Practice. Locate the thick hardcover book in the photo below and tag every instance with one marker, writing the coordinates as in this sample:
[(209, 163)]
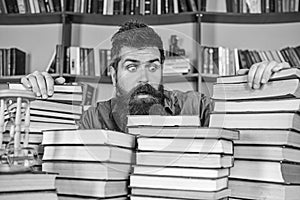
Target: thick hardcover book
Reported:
[(271, 153), (185, 145), (239, 91), (57, 88), (256, 120), (290, 73), (18, 62), (40, 126), (89, 137), (271, 105), (263, 190), (91, 188), (26, 182), (12, 6), (43, 105), (32, 195), (88, 153), (178, 183), (269, 171), (184, 132), (180, 171), (269, 137), (77, 197), (182, 194), (160, 120), (184, 160), (88, 170)]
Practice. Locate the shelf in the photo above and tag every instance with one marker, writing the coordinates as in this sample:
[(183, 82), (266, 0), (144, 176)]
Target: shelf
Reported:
[(115, 20), (189, 17), (28, 19), (103, 79), (209, 77), (246, 18)]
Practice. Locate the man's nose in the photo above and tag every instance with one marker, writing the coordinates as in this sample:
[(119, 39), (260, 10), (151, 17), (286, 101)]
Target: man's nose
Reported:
[(144, 75)]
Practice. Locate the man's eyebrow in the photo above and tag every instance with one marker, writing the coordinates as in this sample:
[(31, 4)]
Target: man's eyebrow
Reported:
[(136, 61)]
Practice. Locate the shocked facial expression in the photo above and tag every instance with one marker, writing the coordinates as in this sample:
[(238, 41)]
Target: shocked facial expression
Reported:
[(137, 67)]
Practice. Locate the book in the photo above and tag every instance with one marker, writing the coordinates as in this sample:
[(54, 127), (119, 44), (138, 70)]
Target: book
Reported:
[(180, 172), (269, 137), (256, 120), (236, 91), (269, 171), (273, 153), (182, 194), (184, 132), (50, 114), (178, 183), (184, 160), (263, 190), (88, 153), (57, 88), (76, 197), (32, 195), (34, 138), (290, 73), (88, 137), (88, 170), (35, 118), (57, 107), (159, 120), (185, 145), (91, 188), (26, 182), (270, 105), (41, 126)]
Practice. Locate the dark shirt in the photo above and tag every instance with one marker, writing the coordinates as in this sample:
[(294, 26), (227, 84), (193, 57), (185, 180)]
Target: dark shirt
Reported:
[(111, 114)]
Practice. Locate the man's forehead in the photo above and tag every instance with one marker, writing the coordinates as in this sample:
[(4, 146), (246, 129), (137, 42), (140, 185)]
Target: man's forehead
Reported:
[(139, 53)]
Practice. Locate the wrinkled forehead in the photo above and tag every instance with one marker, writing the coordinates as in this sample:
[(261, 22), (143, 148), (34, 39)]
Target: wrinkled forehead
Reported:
[(143, 54)]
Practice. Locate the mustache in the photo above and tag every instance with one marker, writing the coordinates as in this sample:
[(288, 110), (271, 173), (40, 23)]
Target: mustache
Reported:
[(146, 89)]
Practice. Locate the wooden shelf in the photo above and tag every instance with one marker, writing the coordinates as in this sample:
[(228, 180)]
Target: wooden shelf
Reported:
[(115, 20), (28, 19), (209, 77), (245, 18), (106, 79)]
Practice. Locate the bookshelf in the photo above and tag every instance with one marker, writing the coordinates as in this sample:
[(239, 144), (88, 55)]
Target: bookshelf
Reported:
[(73, 27)]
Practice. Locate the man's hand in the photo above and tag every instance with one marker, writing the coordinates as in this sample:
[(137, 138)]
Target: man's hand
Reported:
[(260, 73), (41, 83)]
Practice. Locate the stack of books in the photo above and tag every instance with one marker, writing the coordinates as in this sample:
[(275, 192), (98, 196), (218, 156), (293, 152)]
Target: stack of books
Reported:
[(27, 186), (177, 159), (59, 111), (91, 163), (267, 156)]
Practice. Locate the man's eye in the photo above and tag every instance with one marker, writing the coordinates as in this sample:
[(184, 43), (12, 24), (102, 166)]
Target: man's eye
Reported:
[(131, 68), (153, 68)]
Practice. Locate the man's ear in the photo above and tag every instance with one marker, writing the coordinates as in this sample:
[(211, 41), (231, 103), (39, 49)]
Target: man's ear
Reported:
[(113, 74)]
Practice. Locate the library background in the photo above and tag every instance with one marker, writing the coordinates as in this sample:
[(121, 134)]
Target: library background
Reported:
[(249, 151)]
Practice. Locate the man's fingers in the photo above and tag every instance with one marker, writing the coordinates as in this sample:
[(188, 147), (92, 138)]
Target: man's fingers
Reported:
[(242, 71), (280, 66), (260, 70), (251, 74), (41, 84), (34, 84), (26, 82), (60, 80), (268, 72), (49, 83)]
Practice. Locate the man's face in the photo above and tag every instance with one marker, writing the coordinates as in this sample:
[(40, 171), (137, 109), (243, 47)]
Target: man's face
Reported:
[(139, 78), (136, 67)]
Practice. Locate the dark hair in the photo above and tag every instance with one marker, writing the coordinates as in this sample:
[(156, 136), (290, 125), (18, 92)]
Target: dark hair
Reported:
[(134, 34)]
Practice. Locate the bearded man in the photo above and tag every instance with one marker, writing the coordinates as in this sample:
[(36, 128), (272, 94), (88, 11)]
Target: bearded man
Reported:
[(137, 75)]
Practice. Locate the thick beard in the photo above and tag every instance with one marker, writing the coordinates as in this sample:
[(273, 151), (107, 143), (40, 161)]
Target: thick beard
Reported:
[(153, 105)]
